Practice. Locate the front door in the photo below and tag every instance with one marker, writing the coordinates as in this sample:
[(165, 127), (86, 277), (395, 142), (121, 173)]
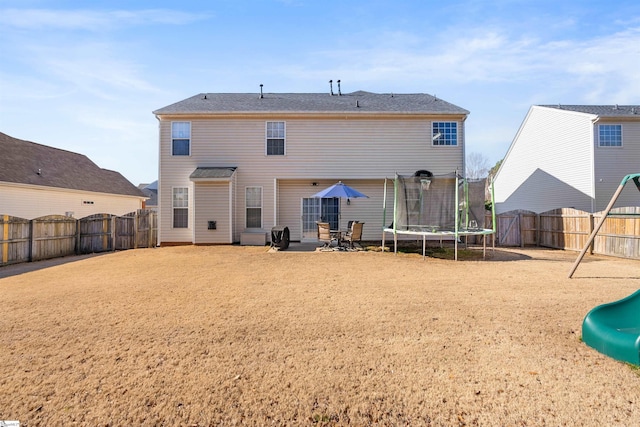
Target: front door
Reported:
[(314, 210)]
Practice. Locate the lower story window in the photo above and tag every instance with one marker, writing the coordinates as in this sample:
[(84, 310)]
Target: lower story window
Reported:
[(180, 207), (253, 203)]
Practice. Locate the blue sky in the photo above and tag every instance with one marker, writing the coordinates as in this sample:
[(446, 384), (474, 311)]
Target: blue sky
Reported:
[(86, 75)]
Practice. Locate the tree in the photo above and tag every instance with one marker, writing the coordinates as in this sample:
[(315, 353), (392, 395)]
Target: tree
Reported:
[(477, 166), (494, 170)]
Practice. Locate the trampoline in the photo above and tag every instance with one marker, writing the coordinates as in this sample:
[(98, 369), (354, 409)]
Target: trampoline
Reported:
[(443, 207)]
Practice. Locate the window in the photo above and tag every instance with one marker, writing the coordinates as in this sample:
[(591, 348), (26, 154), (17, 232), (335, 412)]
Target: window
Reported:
[(445, 133), (253, 202), (180, 138), (610, 135), (180, 207), (275, 138)]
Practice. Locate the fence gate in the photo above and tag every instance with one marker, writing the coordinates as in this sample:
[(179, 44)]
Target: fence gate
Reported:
[(508, 232)]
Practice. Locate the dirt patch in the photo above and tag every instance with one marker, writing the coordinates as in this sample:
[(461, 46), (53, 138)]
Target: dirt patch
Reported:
[(200, 336)]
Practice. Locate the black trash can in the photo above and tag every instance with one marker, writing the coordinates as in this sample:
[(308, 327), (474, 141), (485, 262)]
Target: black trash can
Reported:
[(280, 237)]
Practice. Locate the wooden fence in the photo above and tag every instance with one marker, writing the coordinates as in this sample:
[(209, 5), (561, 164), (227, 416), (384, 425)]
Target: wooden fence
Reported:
[(569, 229), (53, 236)]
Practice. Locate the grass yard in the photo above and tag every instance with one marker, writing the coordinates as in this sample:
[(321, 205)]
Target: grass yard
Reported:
[(231, 335)]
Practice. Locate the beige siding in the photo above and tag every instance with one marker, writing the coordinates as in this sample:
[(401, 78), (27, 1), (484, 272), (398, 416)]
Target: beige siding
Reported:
[(317, 149), (549, 163), (212, 203), (613, 163), (367, 210), (31, 202)]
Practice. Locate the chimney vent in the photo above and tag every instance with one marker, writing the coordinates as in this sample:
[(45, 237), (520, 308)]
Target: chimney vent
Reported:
[(339, 92), (331, 87), (261, 95)]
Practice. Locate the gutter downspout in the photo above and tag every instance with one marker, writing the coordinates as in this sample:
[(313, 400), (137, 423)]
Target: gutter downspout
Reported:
[(159, 237), (594, 146)]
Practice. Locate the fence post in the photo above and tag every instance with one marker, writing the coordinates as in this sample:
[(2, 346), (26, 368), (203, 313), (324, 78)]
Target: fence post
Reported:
[(521, 227), (113, 233), (591, 226), (31, 239), (135, 230), (150, 225), (538, 226), (77, 245), (5, 239)]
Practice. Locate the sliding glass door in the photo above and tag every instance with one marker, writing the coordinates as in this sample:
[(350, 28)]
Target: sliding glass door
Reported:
[(314, 210)]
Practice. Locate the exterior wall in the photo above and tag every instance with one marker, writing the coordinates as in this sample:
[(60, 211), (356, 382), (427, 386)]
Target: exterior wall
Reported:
[(549, 164), (613, 163), (212, 202), (29, 202), (367, 210), (321, 149)]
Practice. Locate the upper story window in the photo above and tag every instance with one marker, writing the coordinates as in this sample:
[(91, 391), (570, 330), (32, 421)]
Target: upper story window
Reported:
[(275, 138), (445, 133), (180, 138), (610, 135)]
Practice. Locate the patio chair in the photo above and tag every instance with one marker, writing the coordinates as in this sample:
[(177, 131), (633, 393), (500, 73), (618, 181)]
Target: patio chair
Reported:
[(324, 234), (354, 234)]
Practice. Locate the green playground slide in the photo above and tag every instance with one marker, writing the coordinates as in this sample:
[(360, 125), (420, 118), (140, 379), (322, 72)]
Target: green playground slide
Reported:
[(614, 329)]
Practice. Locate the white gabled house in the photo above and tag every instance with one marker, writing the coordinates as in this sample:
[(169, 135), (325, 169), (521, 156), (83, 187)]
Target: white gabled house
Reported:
[(37, 180), (570, 156), (232, 166)]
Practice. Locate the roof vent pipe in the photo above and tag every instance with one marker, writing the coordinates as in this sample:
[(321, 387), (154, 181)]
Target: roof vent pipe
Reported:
[(339, 92), (261, 95), (331, 87), (357, 104)]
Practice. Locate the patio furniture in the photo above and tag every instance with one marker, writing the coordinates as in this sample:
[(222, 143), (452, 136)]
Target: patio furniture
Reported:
[(354, 234), (324, 234)]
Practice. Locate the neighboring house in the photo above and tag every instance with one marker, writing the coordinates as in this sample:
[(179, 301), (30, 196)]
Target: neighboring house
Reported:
[(233, 165), (151, 191), (36, 180), (570, 156)]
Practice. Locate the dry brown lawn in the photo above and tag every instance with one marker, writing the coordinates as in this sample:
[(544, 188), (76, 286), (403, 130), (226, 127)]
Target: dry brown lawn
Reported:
[(200, 336)]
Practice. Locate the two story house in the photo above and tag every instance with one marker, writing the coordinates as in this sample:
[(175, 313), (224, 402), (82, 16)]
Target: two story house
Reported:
[(238, 163), (570, 156)]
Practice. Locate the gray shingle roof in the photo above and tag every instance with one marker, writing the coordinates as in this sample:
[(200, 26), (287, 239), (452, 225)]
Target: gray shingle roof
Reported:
[(602, 110), (207, 172), (356, 103), (25, 162)]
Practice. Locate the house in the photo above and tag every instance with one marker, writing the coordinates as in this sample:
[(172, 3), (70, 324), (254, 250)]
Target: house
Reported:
[(36, 180), (151, 191), (234, 165), (570, 156)]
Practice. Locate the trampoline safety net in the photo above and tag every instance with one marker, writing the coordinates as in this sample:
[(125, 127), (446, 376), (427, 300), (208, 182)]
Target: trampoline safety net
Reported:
[(432, 204)]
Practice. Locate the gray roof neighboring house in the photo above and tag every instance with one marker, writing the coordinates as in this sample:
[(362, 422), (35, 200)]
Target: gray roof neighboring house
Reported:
[(151, 191), (611, 111), (25, 162), (322, 103)]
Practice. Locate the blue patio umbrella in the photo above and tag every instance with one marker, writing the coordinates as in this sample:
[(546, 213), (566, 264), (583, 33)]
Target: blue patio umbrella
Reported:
[(339, 190)]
